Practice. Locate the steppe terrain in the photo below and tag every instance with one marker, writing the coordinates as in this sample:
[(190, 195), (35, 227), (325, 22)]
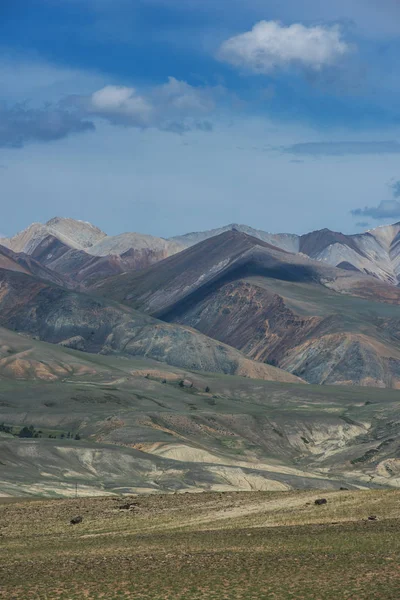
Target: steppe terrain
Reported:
[(133, 425), (230, 546)]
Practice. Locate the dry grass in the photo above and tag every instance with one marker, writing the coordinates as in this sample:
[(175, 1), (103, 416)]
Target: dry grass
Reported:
[(203, 546)]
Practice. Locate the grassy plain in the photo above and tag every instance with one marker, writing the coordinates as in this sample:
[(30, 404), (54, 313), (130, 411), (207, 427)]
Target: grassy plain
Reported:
[(256, 545)]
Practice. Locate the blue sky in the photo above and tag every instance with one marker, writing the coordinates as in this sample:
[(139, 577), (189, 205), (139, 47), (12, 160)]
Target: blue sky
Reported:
[(164, 116)]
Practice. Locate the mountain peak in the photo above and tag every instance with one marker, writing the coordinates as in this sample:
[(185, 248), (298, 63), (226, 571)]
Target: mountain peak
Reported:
[(77, 234), (57, 221)]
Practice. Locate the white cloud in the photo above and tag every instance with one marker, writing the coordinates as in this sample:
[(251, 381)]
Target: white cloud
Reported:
[(174, 106), (270, 46), (120, 102)]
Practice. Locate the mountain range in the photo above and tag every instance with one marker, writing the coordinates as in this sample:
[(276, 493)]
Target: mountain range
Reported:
[(196, 350), (78, 250), (87, 254), (375, 252), (276, 298)]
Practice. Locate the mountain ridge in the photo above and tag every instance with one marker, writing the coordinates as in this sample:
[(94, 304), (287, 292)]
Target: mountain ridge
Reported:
[(375, 252), (79, 321), (276, 307)]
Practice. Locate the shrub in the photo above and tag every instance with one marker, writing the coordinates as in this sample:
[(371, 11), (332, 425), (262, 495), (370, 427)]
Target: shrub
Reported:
[(27, 432)]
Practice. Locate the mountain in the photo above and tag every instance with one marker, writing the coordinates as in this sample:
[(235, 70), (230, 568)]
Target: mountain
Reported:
[(376, 252), (324, 324), (189, 374), (84, 253), (22, 263), (73, 234), (231, 287), (285, 241), (75, 320)]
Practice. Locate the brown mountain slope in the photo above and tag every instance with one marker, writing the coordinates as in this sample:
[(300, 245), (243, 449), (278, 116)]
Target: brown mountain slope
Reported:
[(74, 320), (276, 307), (352, 343), (23, 263), (22, 358), (228, 257), (86, 269)]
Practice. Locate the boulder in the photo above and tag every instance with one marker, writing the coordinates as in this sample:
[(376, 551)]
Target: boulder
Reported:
[(76, 520)]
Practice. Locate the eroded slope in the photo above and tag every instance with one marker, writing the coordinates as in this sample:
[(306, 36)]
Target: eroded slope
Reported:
[(79, 321)]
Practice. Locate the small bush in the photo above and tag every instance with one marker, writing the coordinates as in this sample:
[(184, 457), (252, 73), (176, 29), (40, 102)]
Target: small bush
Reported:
[(27, 432)]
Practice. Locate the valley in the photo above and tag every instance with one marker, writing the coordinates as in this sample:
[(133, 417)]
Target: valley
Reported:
[(143, 426)]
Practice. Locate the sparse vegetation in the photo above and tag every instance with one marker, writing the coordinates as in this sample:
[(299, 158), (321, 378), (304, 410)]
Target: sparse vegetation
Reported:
[(372, 452), (260, 423), (246, 546), (27, 432), (5, 428)]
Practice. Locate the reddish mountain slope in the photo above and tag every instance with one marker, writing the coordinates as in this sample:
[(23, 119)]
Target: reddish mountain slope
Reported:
[(276, 307), (23, 263), (75, 320)]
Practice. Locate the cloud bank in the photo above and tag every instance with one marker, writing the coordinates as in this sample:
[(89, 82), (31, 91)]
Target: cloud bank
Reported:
[(343, 148), (387, 209), (20, 125), (174, 106), (270, 46)]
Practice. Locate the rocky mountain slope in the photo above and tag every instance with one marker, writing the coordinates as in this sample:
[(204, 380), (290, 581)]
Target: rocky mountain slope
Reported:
[(230, 287), (375, 252), (74, 320), (325, 324), (86, 254), (23, 263)]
